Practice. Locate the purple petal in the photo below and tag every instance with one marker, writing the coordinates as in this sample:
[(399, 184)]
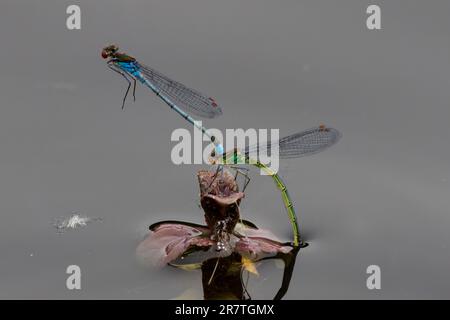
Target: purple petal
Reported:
[(169, 241), (256, 248), (258, 242), (257, 233)]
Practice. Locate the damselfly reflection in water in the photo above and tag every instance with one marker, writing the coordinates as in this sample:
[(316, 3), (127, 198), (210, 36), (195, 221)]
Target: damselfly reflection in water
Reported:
[(224, 249)]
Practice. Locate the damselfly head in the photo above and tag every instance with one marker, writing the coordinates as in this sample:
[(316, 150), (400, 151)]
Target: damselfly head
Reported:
[(213, 159), (109, 51), (322, 127), (216, 153), (219, 149)]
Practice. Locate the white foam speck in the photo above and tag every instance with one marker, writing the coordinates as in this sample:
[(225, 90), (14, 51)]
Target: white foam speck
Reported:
[(74, 221)]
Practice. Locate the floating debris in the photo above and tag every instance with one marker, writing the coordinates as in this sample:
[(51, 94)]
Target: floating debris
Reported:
[(249, 265), (75, 221)]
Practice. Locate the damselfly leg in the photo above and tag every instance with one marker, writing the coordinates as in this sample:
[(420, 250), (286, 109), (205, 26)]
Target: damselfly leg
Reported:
[(214, 177), (113, 68), (243, 172), (238, 171)]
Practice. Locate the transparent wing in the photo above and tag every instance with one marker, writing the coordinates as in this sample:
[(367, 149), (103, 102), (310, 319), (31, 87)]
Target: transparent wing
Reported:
[(299, 144), (187, 99)]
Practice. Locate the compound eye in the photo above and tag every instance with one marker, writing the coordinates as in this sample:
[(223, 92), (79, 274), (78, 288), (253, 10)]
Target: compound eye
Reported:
[(104, 54)]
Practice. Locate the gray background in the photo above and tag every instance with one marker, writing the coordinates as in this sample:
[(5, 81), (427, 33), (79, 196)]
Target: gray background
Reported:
[(381, 196)]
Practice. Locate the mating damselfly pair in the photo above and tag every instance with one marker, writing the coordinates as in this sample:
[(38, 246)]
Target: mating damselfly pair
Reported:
[(186, 101)]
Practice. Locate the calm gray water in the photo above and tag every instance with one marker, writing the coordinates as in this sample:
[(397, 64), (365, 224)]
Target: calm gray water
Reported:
[(380, 196)]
